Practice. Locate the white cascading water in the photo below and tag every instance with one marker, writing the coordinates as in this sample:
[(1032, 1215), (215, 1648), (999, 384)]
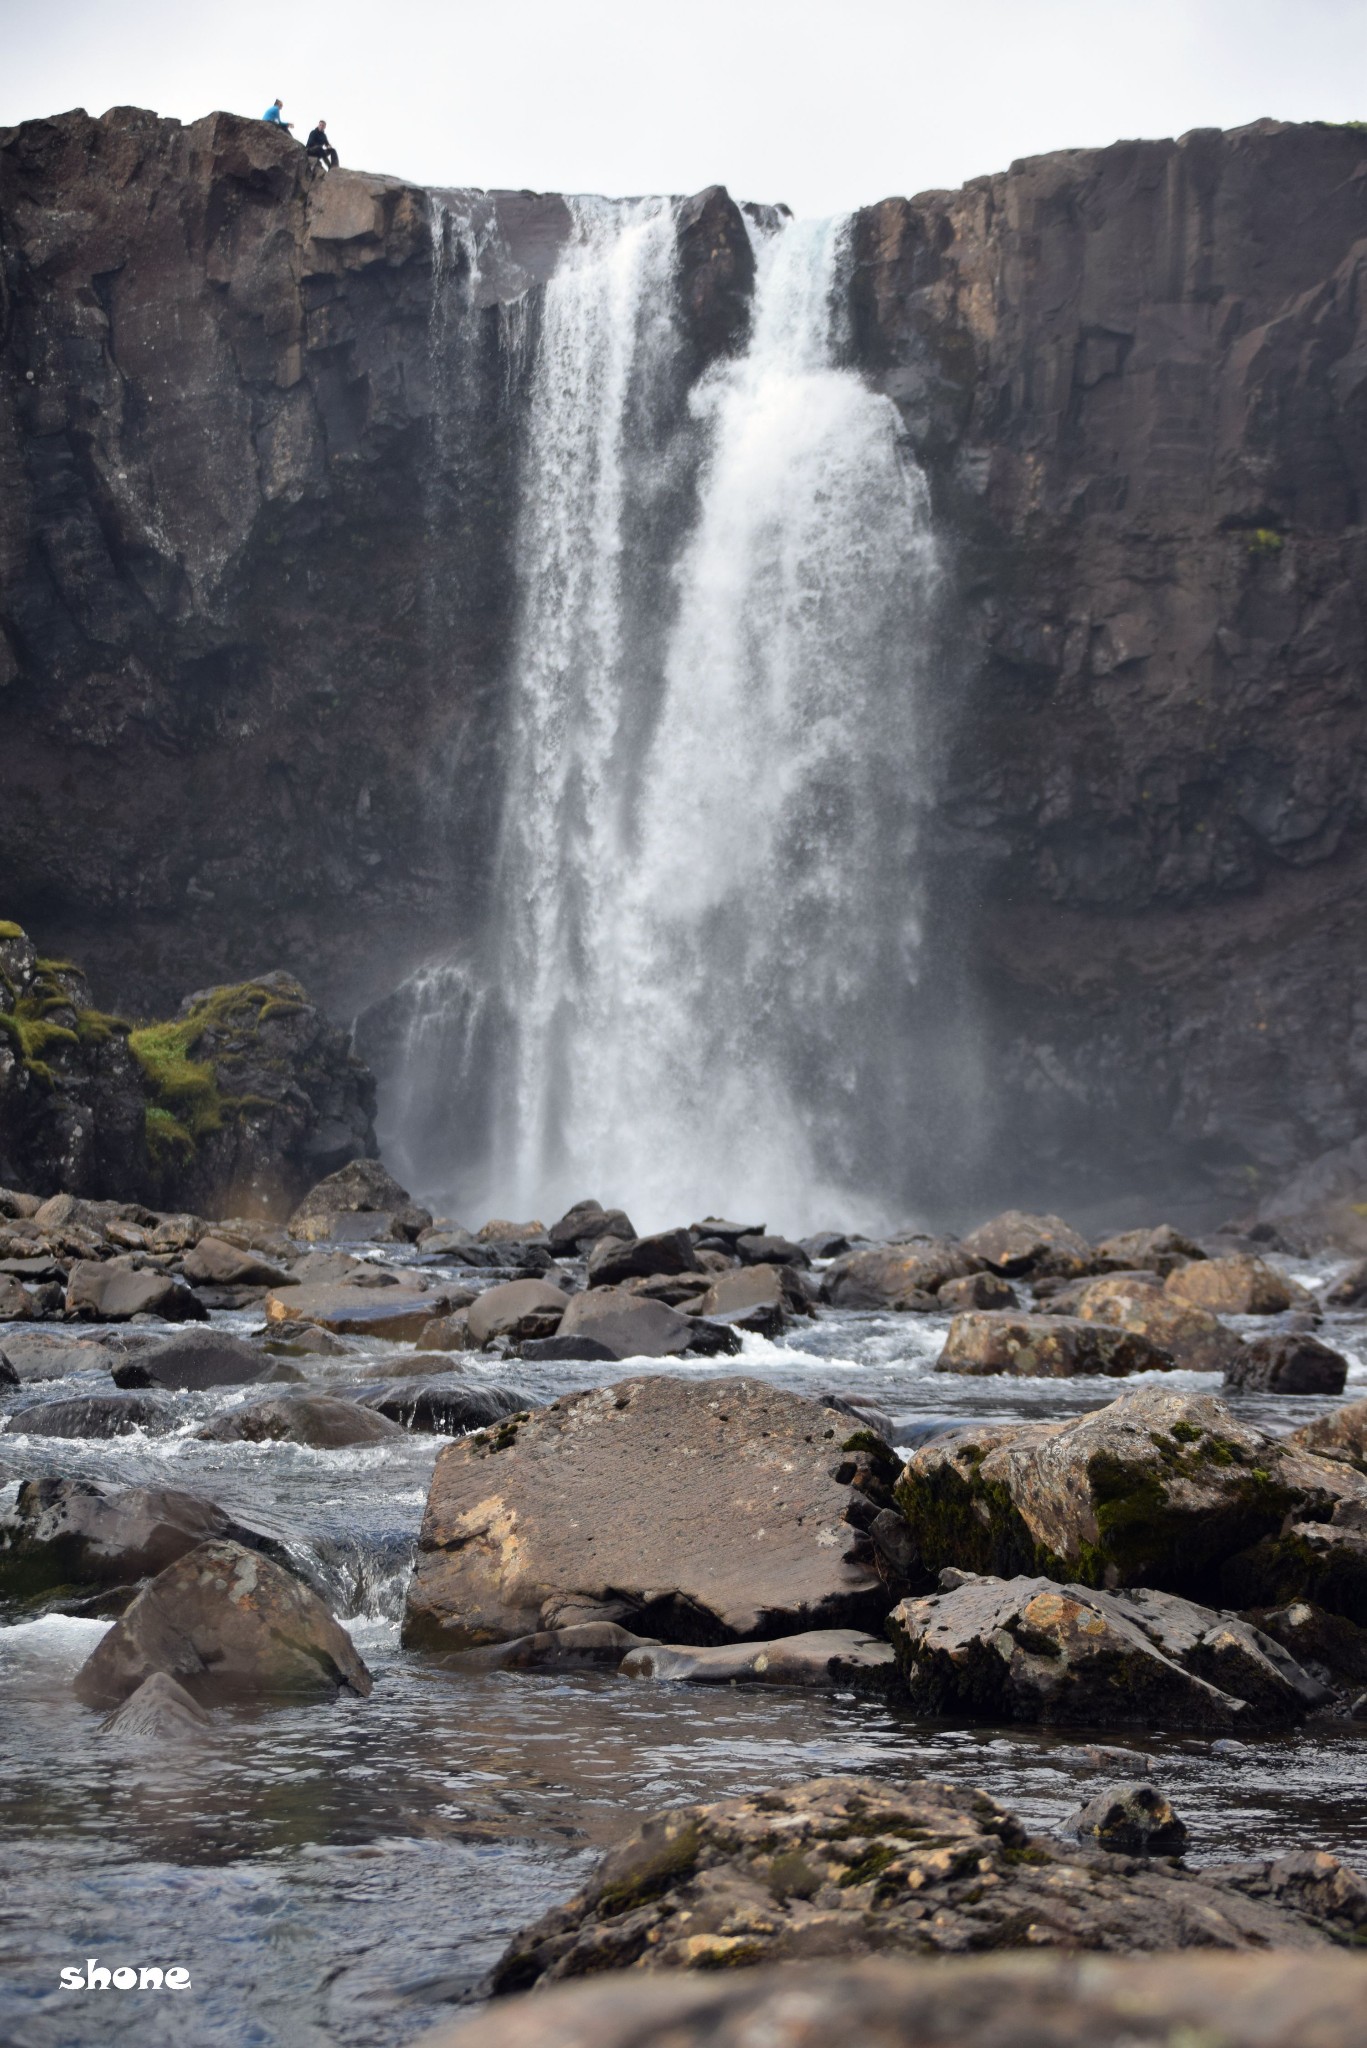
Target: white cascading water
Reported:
[(704, 938)]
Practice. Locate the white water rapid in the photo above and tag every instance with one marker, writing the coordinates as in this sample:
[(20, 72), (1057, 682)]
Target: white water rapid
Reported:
[(698, 981)]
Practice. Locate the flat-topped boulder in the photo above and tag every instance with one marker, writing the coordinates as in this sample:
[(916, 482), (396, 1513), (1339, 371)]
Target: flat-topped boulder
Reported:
[(397, 1312), (113, 1290), (627, 1325), (519, 1308), (215, 1263), (854, 1866), (1017, 1242), (695, 1511), (1045, 1347)]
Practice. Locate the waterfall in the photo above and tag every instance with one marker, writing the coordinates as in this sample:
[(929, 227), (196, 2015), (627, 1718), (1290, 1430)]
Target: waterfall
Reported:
[(698, 983)]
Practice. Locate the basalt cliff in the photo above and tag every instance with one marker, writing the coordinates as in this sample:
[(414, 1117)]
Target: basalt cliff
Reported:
[(257, 594)]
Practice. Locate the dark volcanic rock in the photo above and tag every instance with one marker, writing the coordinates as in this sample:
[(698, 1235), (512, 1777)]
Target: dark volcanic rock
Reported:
[(1130, 1820), (584, 1224), (446, 1409), (82, 1535), (715, 275), (850, 1866), (96, 1415), (318, 1420), (199, 1359), (699, 1511), (669, 1251), (225, 1623)]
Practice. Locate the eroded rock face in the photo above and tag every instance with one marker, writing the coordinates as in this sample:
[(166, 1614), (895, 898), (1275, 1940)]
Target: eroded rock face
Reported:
[(849, 1866), (710, 1512)]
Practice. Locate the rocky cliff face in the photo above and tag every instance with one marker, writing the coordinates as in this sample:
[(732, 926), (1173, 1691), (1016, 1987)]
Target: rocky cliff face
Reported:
[(258, 439)]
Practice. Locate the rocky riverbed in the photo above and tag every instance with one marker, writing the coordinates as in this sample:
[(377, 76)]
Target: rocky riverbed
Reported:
[(342, 1864)]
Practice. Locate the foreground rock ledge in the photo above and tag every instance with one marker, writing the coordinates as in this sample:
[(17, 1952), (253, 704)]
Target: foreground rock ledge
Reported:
[(698, 1512), (852, 1866), (1243, 2001)]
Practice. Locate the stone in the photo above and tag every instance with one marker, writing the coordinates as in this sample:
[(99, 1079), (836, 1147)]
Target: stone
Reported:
[(81, 1535), (827, 1658), (1244, 2000), (159, 1711), (1193, 1338), (94, 1416), (198, 1360), (1017, 1243), (627, 1325), (826, 1244), (1028, 1649), (759, 1248), (705, 1511), (585, 1646), (361, 1186), (299, 1340), (1341, 1434), (499, 1231), (557, 1349), (113, 1290), (399, 1314), (584, 1224), (16, 1303), (445, 1238), (1328, 1646), (976, 1290), (216, 1264), (350, 1226), (1350, 1289), (14, 1204), (761, 1298), (226, 1624), (1130, 1820), (441, 1408), (1160, 1488), (1045, 1347), (520, 1308), (320, 1421), (716, 1230), (1320, 1562), (612, 1260), (1291, 1362), (1238, 1286), (897, 1276), (9, 1375), (1160, 1250), (45, 1354), (448, 1333), (850, 1866)]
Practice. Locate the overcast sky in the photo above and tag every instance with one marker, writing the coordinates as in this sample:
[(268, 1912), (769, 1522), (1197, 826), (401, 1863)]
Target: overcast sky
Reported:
[(824, 106)]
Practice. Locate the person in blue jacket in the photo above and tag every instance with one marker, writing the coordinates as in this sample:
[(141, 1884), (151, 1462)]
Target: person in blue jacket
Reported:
[(274, 113)]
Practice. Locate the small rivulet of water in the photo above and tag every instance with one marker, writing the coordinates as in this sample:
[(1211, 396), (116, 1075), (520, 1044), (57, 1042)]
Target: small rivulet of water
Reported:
[(697, 972)]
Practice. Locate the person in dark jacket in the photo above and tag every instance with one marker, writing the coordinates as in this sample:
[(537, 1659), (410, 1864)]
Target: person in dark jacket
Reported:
[(318, 146)]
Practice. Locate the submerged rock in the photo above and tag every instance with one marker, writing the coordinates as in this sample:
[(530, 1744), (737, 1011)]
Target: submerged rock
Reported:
[(95, 1416), (319, 1421), (584, 1646), (818, 1657), (226, 1624), (1045, 1347), (712, 1511), (198, 1360), (850, 1866), (1130, 1820), (159, 1711)]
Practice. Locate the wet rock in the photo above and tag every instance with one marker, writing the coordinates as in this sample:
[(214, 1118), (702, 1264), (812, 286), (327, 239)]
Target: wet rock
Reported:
[(1130, 1820), (445, 1238), (113, 1290), (1323, 1562), (627, 1325), (826, 1244), (1045, 1347), (716, 1230), (668, 1251), (846, 1866), (1016, 1242), (320, 1421), (226, 1624), (445, 1409), (363, 1186), (759, 1248), (299, 1340), (197, 1360), (1027, 1649), (1160, 1488), (1239, 1286), (498, 1230), (9, 1376), (95, 1416), (760, 1298), (829, 1657), (1160, 1250), (449, 1333), (587, 1646), (712, 1511), (216, 1264), (352, 1226), (160, 1710), (1328, 1646), (1350, 1289), (897, 1276), (82, 1535), (1288, 1363), (1036, 2001), (51, 1355), (977, 1290), (559, 1348), (1193, 1338), (520, 1308), (1342, 1434), (584, 1224), (396, 1313)]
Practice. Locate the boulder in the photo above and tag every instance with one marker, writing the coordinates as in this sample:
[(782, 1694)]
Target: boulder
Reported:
[(827, 1244), (113, 1290), (448, 1333), (213, 1263), (584, 1224), (53, 1354), (82, 1535), (398, 1314), (1016, 1242), (626, 1324), (1350, 1289), (1328, 1646), (158, 1711), (319, 1421), (697, 1511), (825, 1657), (520, 1308), (13, 1204), (1245, 2000), (1129, 1820), (1238, 1286), (16, 1303), (197, 1360), (759, 1298), (1321, 1562), (977, 1290), (9, 1376), (584, 1646), (613, 1259), (363, 1186), (1045, 1347), (716, 1230), (445, 1408), (849, 1866), (499, 1231), (758, 1248), (226, 1624), (445, 1238), (1159, 1488), (1193, 1338), (1160, 1250), (1027, 1649), (1291, 1362), (897, 1276), (352, 1226), (1341, 1434), (554, 1350), (95, 1416)]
